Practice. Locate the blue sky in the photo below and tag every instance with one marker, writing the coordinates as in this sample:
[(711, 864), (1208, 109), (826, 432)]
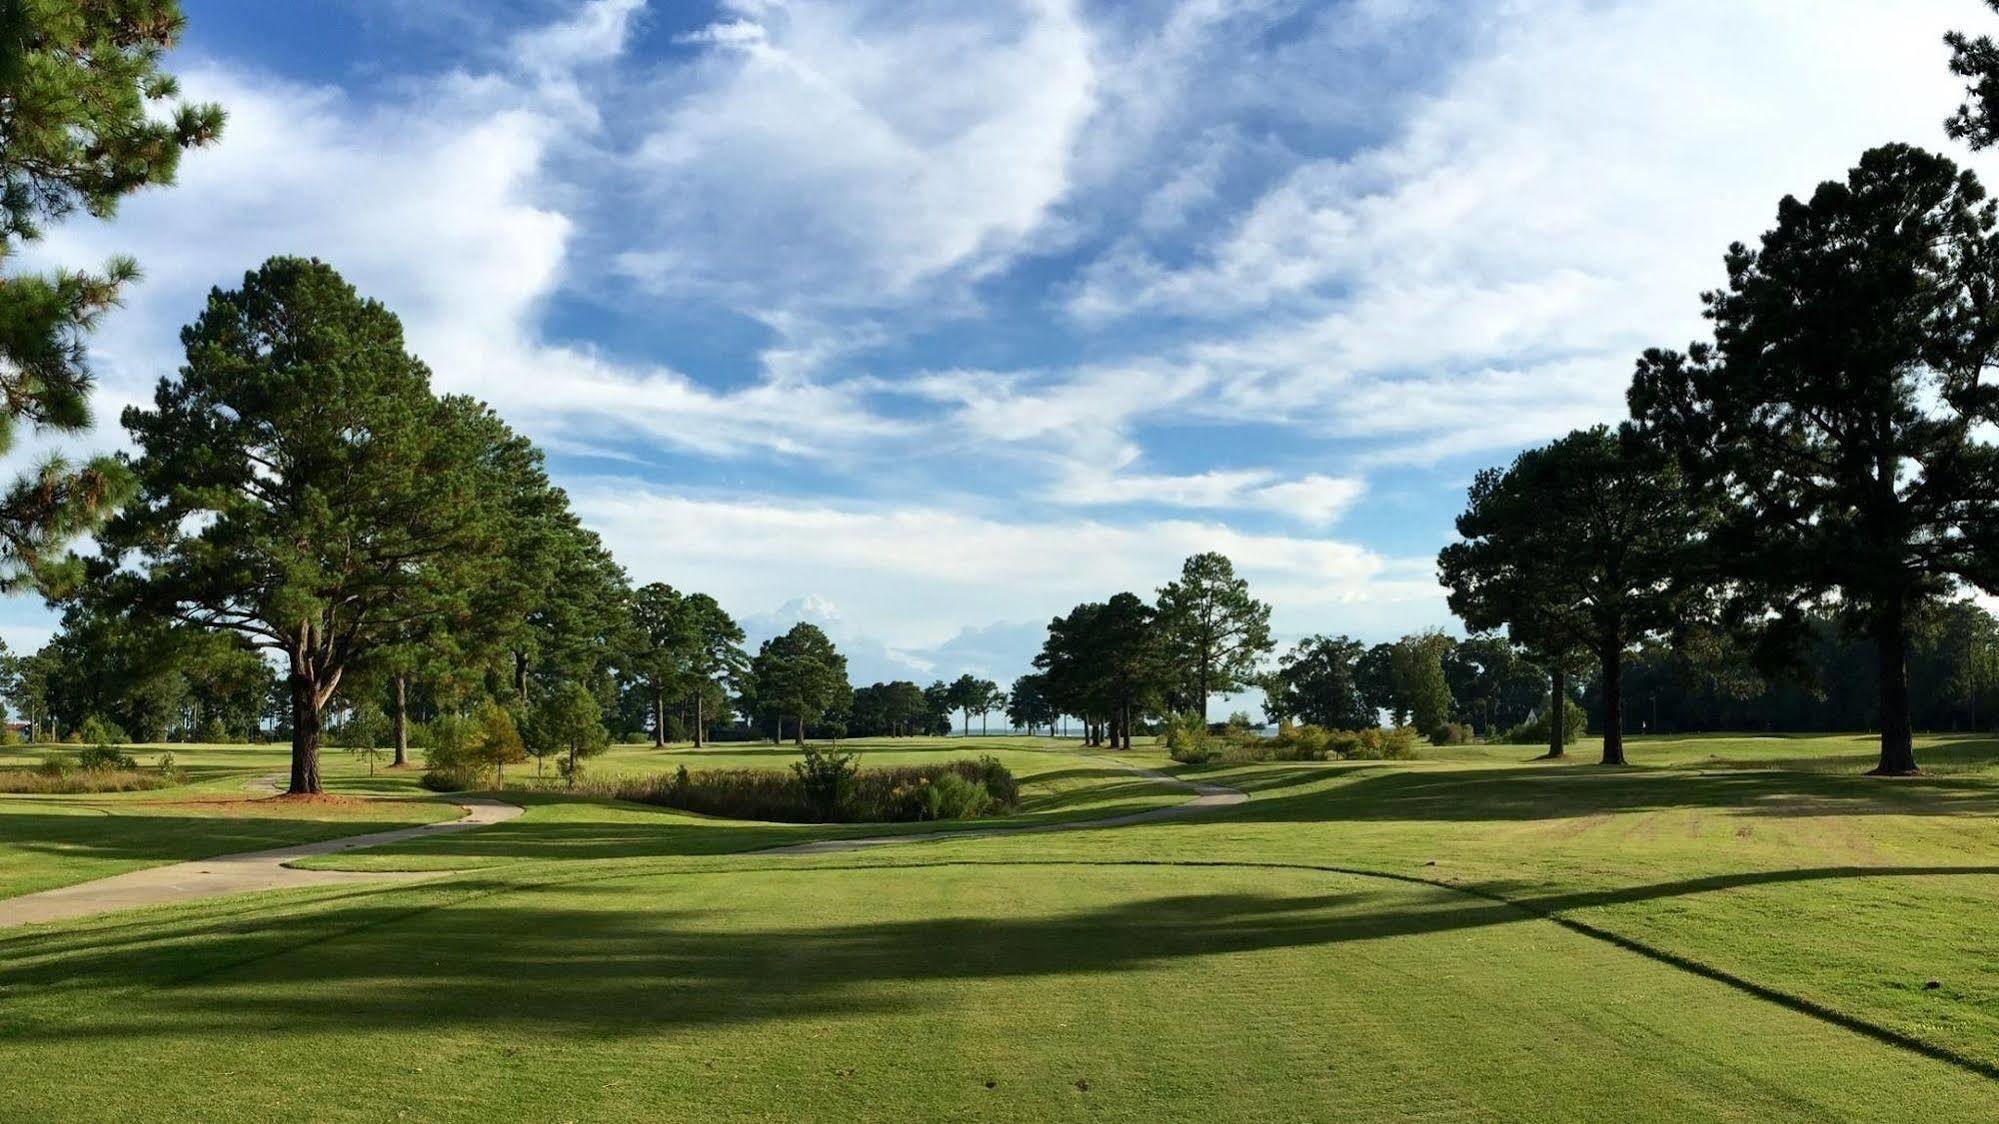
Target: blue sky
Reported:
[(926, 321)]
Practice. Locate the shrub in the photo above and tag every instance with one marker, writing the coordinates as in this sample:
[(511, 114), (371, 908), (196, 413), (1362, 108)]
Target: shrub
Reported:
[(1452, 733), (98, 731), (451, 778), (954, 790), (952, 797), (212, 732), (825, 777), (1534, 731), (57, 765), (104, 757), (1188, 740), (1398, 744)]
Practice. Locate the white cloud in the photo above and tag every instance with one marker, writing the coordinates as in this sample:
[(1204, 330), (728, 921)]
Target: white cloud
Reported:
[(1487, 276), (838, 154), (918, 574)]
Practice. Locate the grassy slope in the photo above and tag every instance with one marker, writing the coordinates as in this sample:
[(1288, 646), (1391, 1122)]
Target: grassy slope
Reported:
[(601, 965)]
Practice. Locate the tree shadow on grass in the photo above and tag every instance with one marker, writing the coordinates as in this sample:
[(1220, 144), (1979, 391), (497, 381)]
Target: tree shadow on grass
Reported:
[(635, 953), (1514, 793)]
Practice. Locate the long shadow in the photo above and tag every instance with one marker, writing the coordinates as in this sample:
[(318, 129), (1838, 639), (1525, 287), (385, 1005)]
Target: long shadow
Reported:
[(1517, 793), (576, 956)]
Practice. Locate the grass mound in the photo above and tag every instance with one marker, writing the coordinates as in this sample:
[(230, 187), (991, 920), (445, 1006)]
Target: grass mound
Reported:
[(828, 788)]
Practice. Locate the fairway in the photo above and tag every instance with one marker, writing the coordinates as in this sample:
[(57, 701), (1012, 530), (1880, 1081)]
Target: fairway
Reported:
[(1736, 928)]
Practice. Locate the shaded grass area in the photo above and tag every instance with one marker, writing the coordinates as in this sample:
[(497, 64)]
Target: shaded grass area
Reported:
[(602, 991), (1736, 927)]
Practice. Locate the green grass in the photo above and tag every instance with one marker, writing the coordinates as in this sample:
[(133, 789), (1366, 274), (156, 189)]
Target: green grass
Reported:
[(1734, 928)]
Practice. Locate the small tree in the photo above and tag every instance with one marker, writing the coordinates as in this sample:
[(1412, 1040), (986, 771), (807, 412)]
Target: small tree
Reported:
[(1214, 631), (800, 673), (568, 721), (494, 740)]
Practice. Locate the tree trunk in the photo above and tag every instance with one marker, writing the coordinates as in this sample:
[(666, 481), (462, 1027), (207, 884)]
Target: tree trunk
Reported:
[(968, 724), (401, 724), (1203, 685), (1612, 658), (801, 731), (982, 724), (305, 737), (521, 676), (659, 719), (1898, 749), (699, 721), (1558, 712)]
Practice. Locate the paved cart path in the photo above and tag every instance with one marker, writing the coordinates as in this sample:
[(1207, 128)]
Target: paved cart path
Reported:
[(243, 873)]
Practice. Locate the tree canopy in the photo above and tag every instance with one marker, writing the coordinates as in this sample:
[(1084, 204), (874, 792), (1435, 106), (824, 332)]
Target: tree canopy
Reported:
[(1835, 418), (1585, 544), (299, 484)]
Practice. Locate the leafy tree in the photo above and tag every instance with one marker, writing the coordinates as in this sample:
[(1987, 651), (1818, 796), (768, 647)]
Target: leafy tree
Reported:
[(963, 695), (566, 720), (1374, 678), (1492, 686), (663, 646), (87, 117), (1581, 545), (937, 708), (299, 484), (801, 674), (716, 657), (1836, 419), (1105, 663), (906, 707), (1028, 705), (493, 740), (1417, 668), (1214, 630), (1315, 683)]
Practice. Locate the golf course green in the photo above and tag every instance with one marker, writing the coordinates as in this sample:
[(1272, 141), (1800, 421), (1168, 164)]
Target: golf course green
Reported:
[(1733, 928)]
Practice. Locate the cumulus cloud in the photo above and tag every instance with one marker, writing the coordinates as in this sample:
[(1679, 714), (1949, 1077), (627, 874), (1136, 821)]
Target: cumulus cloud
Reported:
[(840, 154), (918, 574), (1552, 208)]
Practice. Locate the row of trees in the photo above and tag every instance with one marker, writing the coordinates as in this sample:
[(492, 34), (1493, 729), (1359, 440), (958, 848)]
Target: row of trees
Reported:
[(1112, 663), (1825, 455)]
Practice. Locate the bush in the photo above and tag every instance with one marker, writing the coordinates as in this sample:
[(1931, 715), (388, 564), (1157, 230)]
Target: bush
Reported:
[(1534, 731), (97, 731), (1188, 740), (451, 778), (1452, 733), (952, 797), (955, 790), (104, 757), (1398, 744)]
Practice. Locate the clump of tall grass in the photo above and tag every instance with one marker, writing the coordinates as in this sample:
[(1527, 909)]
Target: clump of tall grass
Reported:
[(97, 769), (827, 788)]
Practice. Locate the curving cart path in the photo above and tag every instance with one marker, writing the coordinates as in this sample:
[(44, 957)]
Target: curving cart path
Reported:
[(244, 873)]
